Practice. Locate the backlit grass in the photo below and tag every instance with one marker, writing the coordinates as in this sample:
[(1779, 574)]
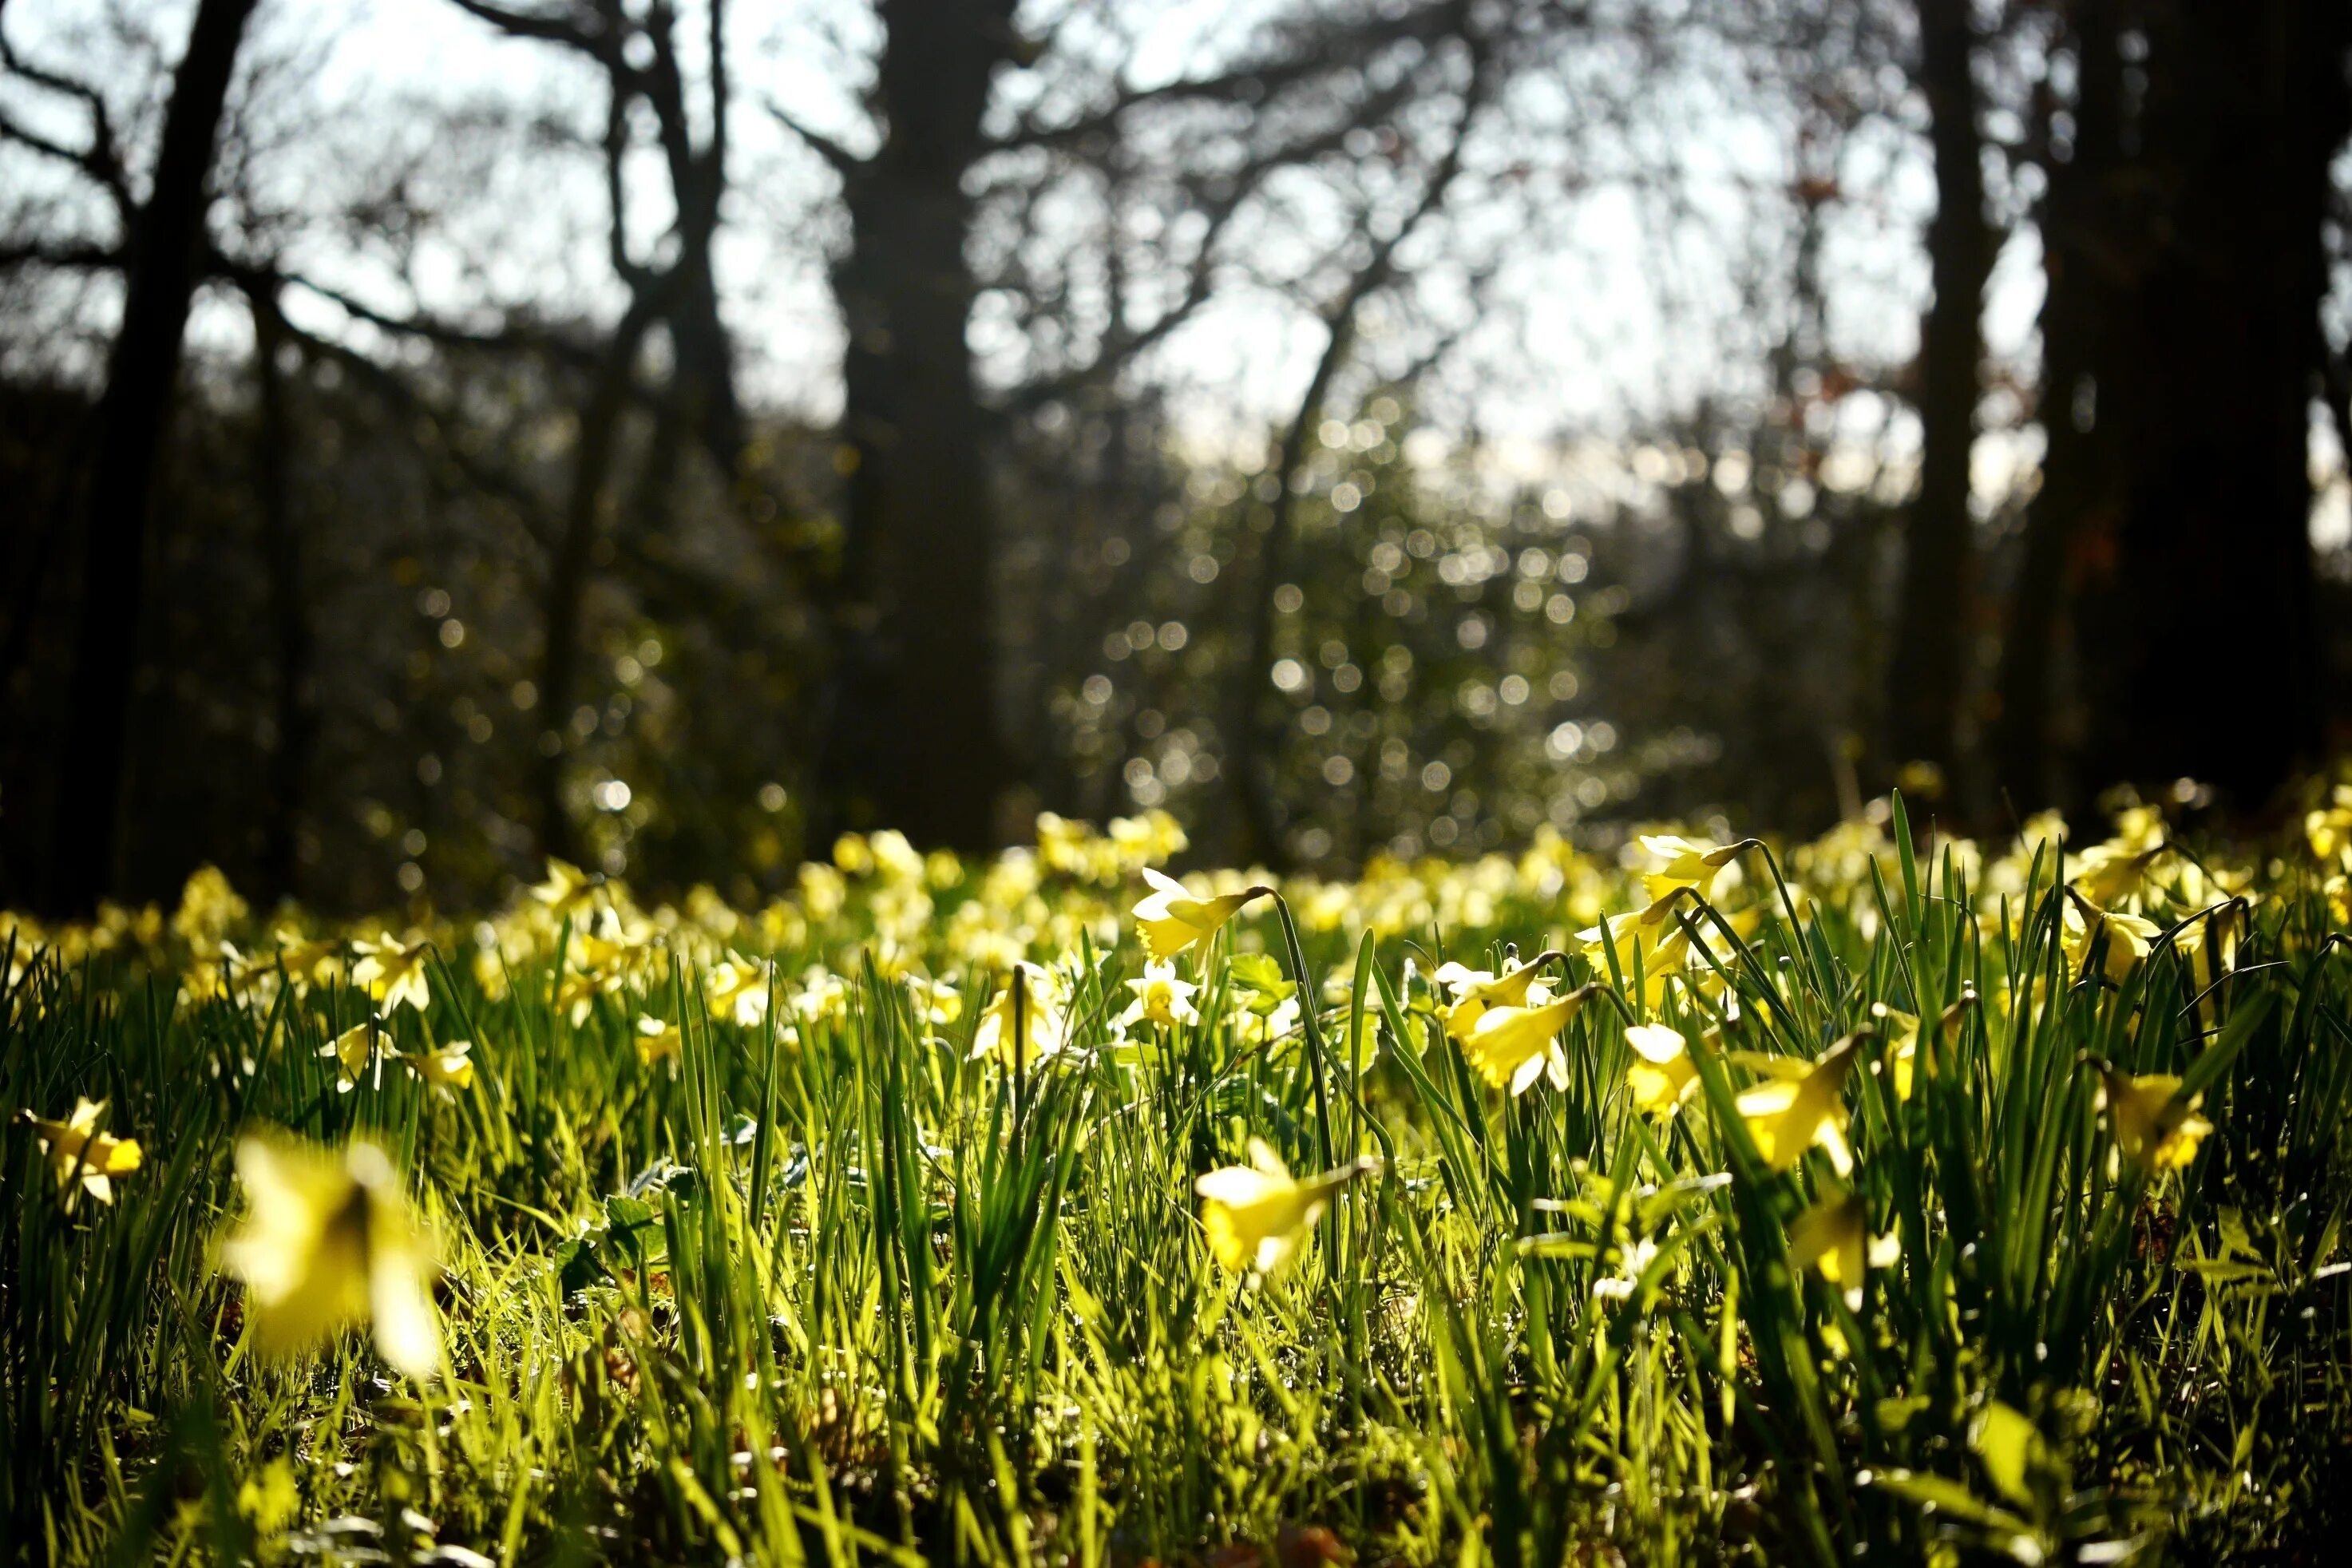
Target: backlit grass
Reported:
[(1881, 1193)]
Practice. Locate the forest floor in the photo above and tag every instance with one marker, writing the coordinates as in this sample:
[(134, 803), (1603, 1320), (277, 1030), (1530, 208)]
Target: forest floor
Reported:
[(1759, 1201)]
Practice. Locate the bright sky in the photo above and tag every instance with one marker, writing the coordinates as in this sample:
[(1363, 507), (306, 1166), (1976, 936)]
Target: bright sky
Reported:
[(1620, 319)]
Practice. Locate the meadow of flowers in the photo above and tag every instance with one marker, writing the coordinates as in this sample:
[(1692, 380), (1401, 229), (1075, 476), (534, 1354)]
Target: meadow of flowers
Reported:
[(1885, 1196)]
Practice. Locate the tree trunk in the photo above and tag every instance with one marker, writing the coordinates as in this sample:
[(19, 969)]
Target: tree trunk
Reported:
[(1930, 624), (912, 738), (142, 369), (2200, 635), (2080, 271)]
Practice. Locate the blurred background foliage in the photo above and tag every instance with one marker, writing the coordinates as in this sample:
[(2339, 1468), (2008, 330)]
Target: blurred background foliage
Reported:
[(666, 435)]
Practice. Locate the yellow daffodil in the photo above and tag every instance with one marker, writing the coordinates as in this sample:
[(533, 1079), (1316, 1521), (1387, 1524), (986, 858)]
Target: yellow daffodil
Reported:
[(2329, 830), (2211, 944), (1833, 1239), (2127, 938), (1799, 1106), (1688, 864), (1476, 990), (1901, 1032), (1256, 1214), (1513, 1045), (208, 909), (738, 991), (306, 961), (1661, 1075), (449, 1067), (567, 889), (1023, 1023), (1171, 919), (355, 1050), (391, 972), (1650, 935), (658, 1040), (2154, 1126), (75, 1148), (1161, 997), (327, 1244)]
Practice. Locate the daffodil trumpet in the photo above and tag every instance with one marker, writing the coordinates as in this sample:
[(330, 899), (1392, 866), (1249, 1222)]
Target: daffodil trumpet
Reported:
[(1170, 921), (1254, 1216), (1477, 990), (2154, 1124)]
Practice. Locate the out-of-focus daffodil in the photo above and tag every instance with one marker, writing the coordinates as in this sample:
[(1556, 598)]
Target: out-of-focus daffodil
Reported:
[(2118, 870), (1662, 1075), (1161, 997), (1256, 1214), (75, 1148), (357, 1049), (567, 889), (658, 1040), (1476, 990), (391, 972), (1024, 1022), (446, 1067), (738, 991), (2211, 941), (1801, 1106), (2329, 828), (306, 963), (1901, 1032), (2154, 1125), (1833, 1239), (1513, 1045), (2118, 941), (328, 1243), (1170, 920)]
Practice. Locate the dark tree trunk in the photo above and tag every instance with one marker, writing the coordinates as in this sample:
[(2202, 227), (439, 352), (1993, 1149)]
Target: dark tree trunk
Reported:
[(912, 738), (297, 717), (2198, 637), (142, 369), (2080, 266), (1930, 623)]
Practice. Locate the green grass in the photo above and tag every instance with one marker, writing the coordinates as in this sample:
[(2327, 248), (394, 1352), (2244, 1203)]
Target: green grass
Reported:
[(851, 1296)]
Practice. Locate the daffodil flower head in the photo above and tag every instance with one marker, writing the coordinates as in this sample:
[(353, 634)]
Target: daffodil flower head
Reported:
[(1688, 864), (74, 1149), (1799, 1106), (392, 971), (447, 1068), (356, 1050), (1024, 1022), (2116, 940), (1901, 1032), (1256, 1214), (2155, 1126), (1662, 1075), (1515, 1045), (1833, 1239), (1161, 997), (328, 1243), (658, 1040), (1476, 990), (567, 888), (1171, 920), (1649, 935), (738, 989)]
